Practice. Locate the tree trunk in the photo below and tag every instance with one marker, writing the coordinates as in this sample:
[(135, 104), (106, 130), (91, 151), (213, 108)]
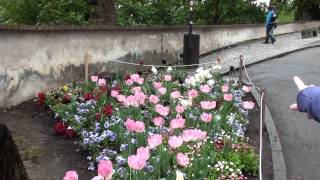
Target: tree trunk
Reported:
[(11, 166), (105, 12)]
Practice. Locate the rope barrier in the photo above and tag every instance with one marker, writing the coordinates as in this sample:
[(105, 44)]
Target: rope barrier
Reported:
[(166, 66), (262, 93), (260, 138)]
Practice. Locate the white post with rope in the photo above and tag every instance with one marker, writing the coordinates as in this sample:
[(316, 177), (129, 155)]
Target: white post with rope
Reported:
[(262, 111)]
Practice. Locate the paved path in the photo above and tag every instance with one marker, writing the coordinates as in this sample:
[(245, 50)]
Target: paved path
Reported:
[(255, 51), (300, 137)]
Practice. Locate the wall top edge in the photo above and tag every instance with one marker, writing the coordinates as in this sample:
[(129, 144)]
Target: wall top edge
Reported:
[(6, 27)]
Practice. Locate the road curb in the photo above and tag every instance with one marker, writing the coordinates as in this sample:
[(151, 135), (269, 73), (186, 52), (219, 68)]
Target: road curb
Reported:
[(279, 167)]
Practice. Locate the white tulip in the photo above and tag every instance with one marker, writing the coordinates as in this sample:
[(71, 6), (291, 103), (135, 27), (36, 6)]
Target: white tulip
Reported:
[(154, 70), (211, 82), (169, 69), (179, 175)]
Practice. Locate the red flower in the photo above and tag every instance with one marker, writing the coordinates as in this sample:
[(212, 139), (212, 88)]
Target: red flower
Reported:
[(103, 89), (60, 128), (70, 133), (126, 77), (98, 116), (66, 98), (41, 99), (87, 96), (107, 109)]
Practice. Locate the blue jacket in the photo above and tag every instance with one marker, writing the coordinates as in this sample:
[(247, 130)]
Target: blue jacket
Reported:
[(269, 18), (308, 101)]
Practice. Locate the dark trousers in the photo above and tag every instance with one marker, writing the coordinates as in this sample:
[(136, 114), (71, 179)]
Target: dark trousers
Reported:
[(269, 34)]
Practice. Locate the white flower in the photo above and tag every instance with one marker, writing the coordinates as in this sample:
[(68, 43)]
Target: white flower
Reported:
[(98, 178), (211, 82), (230, 169), (218, 169), (169, 69), (209, 76), (179, 175), (154, 70), (216, 67)]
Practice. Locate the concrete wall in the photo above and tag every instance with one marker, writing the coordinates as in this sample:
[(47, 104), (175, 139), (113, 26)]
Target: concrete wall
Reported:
[(42, 58)]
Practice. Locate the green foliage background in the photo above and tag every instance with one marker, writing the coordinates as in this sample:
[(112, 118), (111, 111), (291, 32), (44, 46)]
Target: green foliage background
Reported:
[(149, 12)]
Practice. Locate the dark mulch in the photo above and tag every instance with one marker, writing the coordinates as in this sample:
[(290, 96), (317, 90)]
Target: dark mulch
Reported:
[(45, 155)]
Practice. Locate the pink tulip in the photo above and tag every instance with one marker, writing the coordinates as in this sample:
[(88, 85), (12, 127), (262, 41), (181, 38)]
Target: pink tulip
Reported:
[(208, 105), (177, 123), (154, 99), (156, 85), (154, 140), (140, 81), (71, 175), (139, 126), (192, 93), (121, 98), (163, 111), (158, 121), (136, 162), (129, 82), (162, 90), (227, 97), (143, 152), (105, 169), (102, 82), (246, 89), (248, 105), (225, 88), (98, 178), (206, 117), (175, 142), (136, 89), (114, 93), (175, 94), (205, 88), (167, 77), (135, 77), (130, 124), (182, 159), (193, 135), (94, 78), (179, 109)]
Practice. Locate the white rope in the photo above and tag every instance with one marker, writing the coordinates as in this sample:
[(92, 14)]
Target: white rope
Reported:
[(260, 148), (166, 66), (261, 116)]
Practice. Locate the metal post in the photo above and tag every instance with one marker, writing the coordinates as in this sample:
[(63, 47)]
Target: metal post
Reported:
[(240, 69), (262, 126), (190, 15), (86, 66)]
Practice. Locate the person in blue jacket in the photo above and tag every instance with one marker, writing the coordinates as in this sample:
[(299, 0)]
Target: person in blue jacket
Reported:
[(308, 99), (270, 18)]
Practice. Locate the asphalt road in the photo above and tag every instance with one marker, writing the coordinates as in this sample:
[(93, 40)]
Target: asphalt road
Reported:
[(300, 137)]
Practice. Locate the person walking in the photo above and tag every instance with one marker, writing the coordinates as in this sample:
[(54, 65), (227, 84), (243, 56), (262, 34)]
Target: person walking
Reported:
[(270, 18)]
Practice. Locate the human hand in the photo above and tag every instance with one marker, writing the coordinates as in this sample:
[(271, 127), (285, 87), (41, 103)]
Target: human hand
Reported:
[(301, 86)]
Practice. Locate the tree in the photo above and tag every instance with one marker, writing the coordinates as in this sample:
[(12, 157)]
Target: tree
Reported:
[(104, 12)]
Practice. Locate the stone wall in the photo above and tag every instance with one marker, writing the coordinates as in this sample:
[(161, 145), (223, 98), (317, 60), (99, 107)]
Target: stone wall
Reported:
[(37, 58)]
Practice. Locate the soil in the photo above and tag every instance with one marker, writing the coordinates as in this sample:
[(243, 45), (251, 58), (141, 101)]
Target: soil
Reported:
[(253, 133), (48, 156), (45, 155)]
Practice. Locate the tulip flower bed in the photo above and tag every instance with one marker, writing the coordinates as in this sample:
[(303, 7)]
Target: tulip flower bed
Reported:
[(162, 125)]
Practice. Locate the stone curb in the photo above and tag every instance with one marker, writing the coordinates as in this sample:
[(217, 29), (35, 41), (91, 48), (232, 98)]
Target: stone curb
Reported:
[(279, 167)]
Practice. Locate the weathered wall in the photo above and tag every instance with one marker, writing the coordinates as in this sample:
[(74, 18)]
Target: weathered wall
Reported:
[(43, 58)]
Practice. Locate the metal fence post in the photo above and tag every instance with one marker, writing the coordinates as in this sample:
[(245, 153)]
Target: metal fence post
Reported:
[(240, 69)]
